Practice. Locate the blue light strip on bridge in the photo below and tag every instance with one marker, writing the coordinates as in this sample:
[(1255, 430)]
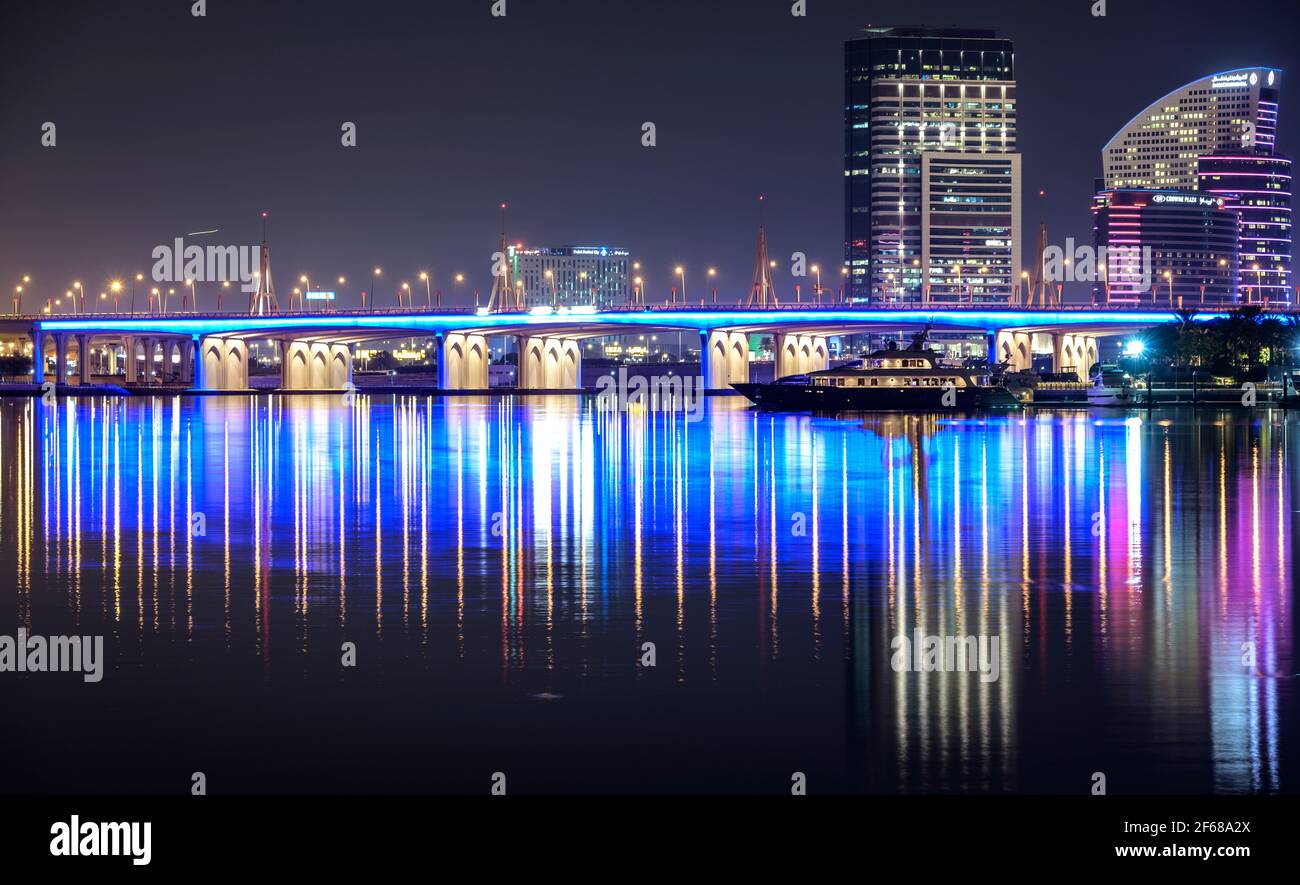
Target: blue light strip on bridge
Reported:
[(699, 320)]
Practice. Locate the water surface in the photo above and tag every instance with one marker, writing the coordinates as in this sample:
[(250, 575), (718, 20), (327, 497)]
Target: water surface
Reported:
[(500, 566)]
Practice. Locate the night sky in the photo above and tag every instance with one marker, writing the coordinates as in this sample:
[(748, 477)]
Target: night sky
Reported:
[(169, 124)]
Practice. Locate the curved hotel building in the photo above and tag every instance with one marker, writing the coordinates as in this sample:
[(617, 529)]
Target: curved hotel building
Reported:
[(1173, 174), (1159, 148)]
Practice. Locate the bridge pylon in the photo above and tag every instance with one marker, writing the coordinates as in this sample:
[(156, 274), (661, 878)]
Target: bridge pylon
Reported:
[(762, 293), (263, 300), (505, 291)]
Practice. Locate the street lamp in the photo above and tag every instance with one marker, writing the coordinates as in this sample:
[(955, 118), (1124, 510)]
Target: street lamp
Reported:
[(116, 288), (406, 288), (681, 272), (428, 296), (1169, 278), (81, 296), (712, 275)]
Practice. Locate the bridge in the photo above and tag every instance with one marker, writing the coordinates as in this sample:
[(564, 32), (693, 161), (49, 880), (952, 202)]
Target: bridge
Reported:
[(316, 348)]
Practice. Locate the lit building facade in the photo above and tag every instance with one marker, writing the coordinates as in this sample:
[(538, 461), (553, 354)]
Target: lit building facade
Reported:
[(910, 92), (573, 276), (1260, 186), (1159, 148), (970, 219), (1167, 247)]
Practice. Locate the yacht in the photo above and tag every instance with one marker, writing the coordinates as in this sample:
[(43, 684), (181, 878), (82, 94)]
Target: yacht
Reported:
[(891, 380)]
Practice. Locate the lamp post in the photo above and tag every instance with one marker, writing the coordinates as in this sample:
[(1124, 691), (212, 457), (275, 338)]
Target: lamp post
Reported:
[(377, 272), (406, 290), (428, 296), (81, 297), (681, 272), (116, 288), (1169, 278), (713, 274)]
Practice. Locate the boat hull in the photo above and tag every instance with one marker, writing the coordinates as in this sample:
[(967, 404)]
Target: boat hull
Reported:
[(815, 398)]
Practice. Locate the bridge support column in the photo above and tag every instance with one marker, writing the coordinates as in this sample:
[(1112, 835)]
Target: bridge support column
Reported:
[(225, 363), (991, 349), (187, 363), (38, 356), (60, 359), (196, 363), (547, 363), (314, 365), (128, 359), (466, 359), (1075, 353), (1016, 349), (728, 361), (440, 346), (798, 354)]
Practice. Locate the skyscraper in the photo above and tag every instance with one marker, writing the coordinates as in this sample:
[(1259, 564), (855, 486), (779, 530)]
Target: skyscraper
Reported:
[(1159, 147), (913, 228)]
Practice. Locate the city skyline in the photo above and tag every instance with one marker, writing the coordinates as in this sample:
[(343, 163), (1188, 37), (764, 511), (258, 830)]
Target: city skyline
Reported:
[(445, 221)]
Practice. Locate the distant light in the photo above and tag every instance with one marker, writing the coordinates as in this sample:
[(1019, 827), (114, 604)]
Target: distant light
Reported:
[(543, 311), (1134, 348)]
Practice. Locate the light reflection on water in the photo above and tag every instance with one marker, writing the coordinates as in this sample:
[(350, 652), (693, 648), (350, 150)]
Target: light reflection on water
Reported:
[(495, 558)]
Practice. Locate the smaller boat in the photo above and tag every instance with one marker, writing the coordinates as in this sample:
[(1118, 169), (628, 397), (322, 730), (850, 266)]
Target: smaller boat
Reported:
[(914, 379), (1110, 386)]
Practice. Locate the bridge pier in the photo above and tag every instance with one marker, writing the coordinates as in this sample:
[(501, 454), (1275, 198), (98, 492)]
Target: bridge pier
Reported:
[(38, 355), (797, 354), (549, 363), (727, 360), (1016, 349), (462, 361), (1073, 352), (225, 363), (314, 365)]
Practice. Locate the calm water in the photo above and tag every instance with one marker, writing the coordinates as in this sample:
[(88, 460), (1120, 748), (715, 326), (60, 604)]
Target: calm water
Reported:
[(500, 565)]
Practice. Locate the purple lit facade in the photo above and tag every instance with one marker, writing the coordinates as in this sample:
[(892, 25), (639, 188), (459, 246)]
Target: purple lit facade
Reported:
[(1165, 247), (1260, 185)]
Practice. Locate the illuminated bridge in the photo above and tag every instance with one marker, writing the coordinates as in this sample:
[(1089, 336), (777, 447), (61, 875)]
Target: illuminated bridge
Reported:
[(316, 349)]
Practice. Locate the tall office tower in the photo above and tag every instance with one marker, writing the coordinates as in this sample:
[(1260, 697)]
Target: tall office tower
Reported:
[(1232, 111), (909, 92), (573, 276), (1260, 186)]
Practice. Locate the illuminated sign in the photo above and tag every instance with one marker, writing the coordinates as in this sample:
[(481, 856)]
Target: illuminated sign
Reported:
[(1224, 81), (320, 296), (1189, 199)]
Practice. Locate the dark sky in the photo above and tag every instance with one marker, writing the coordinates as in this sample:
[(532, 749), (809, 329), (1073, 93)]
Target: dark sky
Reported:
[(169, 123)]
